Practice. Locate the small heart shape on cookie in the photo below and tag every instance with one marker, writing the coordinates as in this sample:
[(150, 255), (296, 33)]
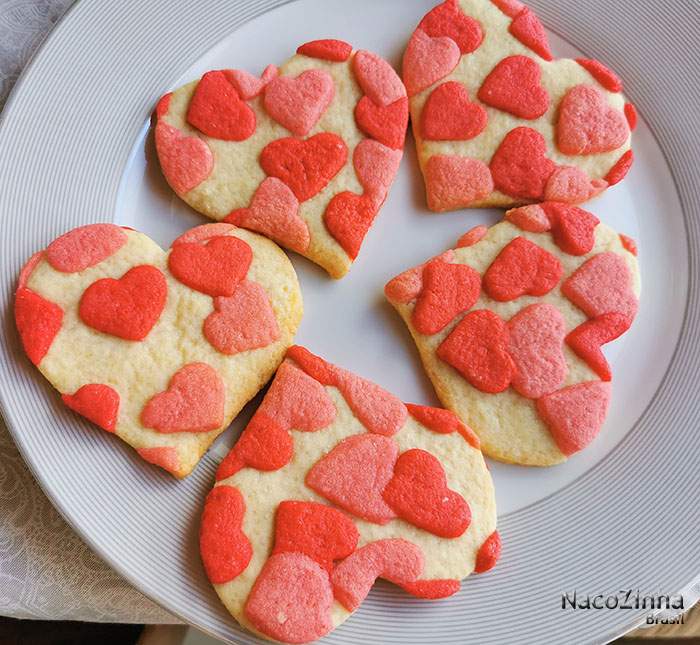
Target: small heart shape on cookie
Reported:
[(193, 402), (232, 328), (522, 268), (306, 166), (478, 349), (215, 268), (321, 532), (447, 19), (127, 308), (85, 247), (427, 60), (449, 115), (97, 402), (185, 161), (348, 218), (520, 167), (396, 560), (588, 338), (588, 124), (448, 290), (354, 474), (602, 285), (247, 85), (218, 111), (575, 414), (573, 229), (418, 493), (536, 345), (224, 553), (385, 123), (515, 86), (298, 103), (274, 212)]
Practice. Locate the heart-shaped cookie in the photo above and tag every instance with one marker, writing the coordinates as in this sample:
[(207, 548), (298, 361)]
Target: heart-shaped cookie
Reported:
[(160, 348), (365, 487), (304, 155), (484, 88), (522, 365)]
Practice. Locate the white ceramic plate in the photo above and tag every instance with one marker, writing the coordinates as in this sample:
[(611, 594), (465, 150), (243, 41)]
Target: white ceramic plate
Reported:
[(75, 148)]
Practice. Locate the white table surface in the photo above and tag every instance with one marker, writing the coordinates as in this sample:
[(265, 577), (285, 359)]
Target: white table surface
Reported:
[(46, 571)]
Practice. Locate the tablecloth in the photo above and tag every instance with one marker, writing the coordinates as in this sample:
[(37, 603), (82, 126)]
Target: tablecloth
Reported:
[(46, 571)]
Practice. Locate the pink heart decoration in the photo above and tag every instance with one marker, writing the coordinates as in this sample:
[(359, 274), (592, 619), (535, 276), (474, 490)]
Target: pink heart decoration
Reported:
[(193, 402), (186, 161), (249, 86), (588, 124), (274, 212), (396, 560), (575, 414), (535, 343), (243, 321), (354, 473), (298, 103), (376, 166), (427, 60)]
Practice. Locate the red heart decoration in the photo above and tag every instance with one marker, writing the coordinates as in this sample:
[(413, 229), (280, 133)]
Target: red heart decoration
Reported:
[(348, 217), (575, 414), (448, 290), (264, 445), (305, 166), (520, 166), (38, 321), (337, 51), (515, 86), (225, 549), (387, 124), (449, 115), (353, 474), (447, 19), (215, 268), (217, 110), (128, 307), (418, 493), (193, 402), (587, 339), (488, 553), (321, 532), (528, 29), (396, 560), (573, 229), (522, 269), (588, 124), (96, 402), (478, 349)]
